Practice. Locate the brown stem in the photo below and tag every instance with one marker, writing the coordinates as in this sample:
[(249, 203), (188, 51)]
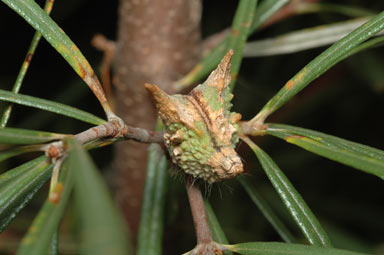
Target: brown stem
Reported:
[(157, 42), (111, 129), (143, 135), (114, 129), (203, 232)]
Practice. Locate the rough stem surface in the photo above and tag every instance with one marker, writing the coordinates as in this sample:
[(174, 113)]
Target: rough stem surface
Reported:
[(157, 42)]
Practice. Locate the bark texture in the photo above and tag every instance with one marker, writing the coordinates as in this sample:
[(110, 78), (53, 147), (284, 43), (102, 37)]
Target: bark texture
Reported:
[(158, 41)]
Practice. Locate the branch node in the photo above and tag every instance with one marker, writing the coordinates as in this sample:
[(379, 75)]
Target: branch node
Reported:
[(54, 150), (211, 248), (252, 129)]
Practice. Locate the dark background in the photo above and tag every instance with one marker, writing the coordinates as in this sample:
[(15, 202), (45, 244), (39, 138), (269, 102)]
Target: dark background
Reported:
[(347, 102)]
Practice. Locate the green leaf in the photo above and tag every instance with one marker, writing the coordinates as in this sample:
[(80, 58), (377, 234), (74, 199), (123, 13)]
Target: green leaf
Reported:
[(295, 204), (152, 209), (20, 169), (265, 10), (344, 9), (240, 30), (24, 68), (42, 22), (210, 62), (43, 230), (25, 136), (19, 189), (15, 151), (218, 234), (272, 248), (321, 64), (267, 211), (103, 229), (50, 106), (375, 42), (303, 39), (54, 248), (359, 156)]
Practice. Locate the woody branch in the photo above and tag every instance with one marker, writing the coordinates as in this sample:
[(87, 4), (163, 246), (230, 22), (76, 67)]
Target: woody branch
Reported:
[(111, 129)]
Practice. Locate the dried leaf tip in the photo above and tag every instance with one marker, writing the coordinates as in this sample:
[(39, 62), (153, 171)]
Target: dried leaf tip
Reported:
[(221, 76)]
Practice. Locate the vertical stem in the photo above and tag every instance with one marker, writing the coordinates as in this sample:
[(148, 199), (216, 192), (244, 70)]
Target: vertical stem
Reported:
[(203, 232), (157, 42)]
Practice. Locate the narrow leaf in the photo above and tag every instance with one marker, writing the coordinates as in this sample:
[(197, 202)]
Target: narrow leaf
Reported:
[(266, 9), (103, 229), (272, 248), (42, 22), (295, 204), (240, 30), (15, 151), (375, 42), (20, 169), (54, 249), (152, 208), (25, 136), (218, 234), (267, 211), (24, 68), (17, 191), (304, 39), (50, 106), (208, 63), (353, 154), (44, 228), (320, 64), (344, 9)]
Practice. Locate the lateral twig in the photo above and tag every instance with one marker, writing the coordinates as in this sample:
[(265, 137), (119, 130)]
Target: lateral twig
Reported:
[(111, 129)]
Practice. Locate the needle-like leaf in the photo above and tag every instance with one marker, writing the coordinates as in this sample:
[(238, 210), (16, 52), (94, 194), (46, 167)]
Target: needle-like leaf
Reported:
[(319, 65), (24, 68), (20, 169), (25, 136), (207, 64), (152, 208), (45, 226), (295, 204), (304, 39), (19, 188), (50, 106), (42, 22), (103, 229), (218, 234), (267, 211), (264, 248), (353, 154)]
